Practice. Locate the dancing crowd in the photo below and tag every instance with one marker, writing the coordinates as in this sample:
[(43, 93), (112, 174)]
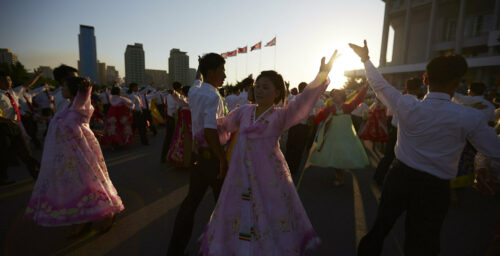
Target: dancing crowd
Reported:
[(251, 145)]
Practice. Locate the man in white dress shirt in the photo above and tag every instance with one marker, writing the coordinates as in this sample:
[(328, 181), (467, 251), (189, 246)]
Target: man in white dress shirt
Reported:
[(29, 115), (172, 106), (12, 134), (413, 87), (206, 106), (475, 98), (104, 98), (431, 136), (138, 121)]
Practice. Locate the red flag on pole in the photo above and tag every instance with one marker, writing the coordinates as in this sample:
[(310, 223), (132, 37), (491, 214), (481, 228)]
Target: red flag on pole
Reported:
[(257, 46), (224, 55), (232, 53), (243, 49), (272, 42)]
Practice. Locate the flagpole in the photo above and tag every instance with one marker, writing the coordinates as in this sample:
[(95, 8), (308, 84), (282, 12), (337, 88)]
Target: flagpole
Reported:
[(275, 52), (236, 69), (260, 57), (246, 63)]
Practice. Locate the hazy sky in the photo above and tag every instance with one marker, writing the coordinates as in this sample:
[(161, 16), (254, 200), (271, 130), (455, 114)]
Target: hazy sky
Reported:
[(46, 32)]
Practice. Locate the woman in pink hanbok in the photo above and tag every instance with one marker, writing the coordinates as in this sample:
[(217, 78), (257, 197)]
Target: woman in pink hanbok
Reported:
[(73, 186), (259, 211)]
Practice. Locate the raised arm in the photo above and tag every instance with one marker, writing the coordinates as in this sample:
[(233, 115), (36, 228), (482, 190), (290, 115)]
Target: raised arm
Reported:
[(360, 96), (38, 74), (81, 102), (384, 91), (301, 106), (36, 91)]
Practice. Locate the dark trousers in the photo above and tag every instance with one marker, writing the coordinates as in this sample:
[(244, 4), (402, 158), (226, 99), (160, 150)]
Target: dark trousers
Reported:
[(161, 109), (148, 117), (296, 143), (12, 143), (105, 108), (356, 122), (203, 175), (424, 197), (49, 113), (140, 123), (389, 155), (31, 128), (169, 133)]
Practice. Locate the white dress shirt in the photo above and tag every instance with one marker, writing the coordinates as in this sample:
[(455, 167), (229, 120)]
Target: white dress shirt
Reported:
[(134, 97), (172, 105), (361, 111), (489, 111), (243, 98), (116, 100), (103, 97), (28, 95), (432, 133), (8, 110), (206, 107), (232, 101), (59, 101)]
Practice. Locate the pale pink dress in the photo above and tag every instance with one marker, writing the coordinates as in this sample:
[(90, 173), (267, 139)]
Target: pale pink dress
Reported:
[(259, 211), (73, 186)]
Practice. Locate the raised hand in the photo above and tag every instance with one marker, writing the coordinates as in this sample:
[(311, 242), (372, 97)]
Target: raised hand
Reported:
[(325, 68), (362, 52)]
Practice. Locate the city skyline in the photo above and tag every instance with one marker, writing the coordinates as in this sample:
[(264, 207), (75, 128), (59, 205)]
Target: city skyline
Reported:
[(305, 31)]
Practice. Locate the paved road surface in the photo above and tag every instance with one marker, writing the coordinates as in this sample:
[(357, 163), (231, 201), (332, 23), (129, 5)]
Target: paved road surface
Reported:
[(152, 193)]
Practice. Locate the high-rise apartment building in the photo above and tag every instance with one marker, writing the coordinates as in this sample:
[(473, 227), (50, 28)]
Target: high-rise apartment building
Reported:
[(178, 67), (7, 56), (87, 65), (101, 68), (135, 65), (112, 75), (158, 78)]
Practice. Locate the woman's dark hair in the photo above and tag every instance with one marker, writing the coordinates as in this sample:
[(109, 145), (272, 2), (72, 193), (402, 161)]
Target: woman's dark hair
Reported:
[(340, 92), (444, 69), (413, 84), (62, 72), (176, 85), (278, 82), (210, 61), (77, 83), (477, 88), (115, 91), (185, 90), (251, 95)]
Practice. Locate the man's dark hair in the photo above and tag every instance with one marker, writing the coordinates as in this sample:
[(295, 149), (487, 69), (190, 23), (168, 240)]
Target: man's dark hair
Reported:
[(278, 82), (185, 90), (477, 88), (302, 86), (210, 61), (413, 84), (76, 83), (62, 72), (115, 91), (176, 85), (444, 69)]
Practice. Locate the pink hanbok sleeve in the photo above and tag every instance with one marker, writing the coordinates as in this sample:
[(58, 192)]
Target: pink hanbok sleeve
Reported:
[(231, 122), (82, 103), (299, 108)]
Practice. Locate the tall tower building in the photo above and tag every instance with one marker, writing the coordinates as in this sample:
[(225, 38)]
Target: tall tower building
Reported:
[(135, 65), (178, 67), (87, 64)]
